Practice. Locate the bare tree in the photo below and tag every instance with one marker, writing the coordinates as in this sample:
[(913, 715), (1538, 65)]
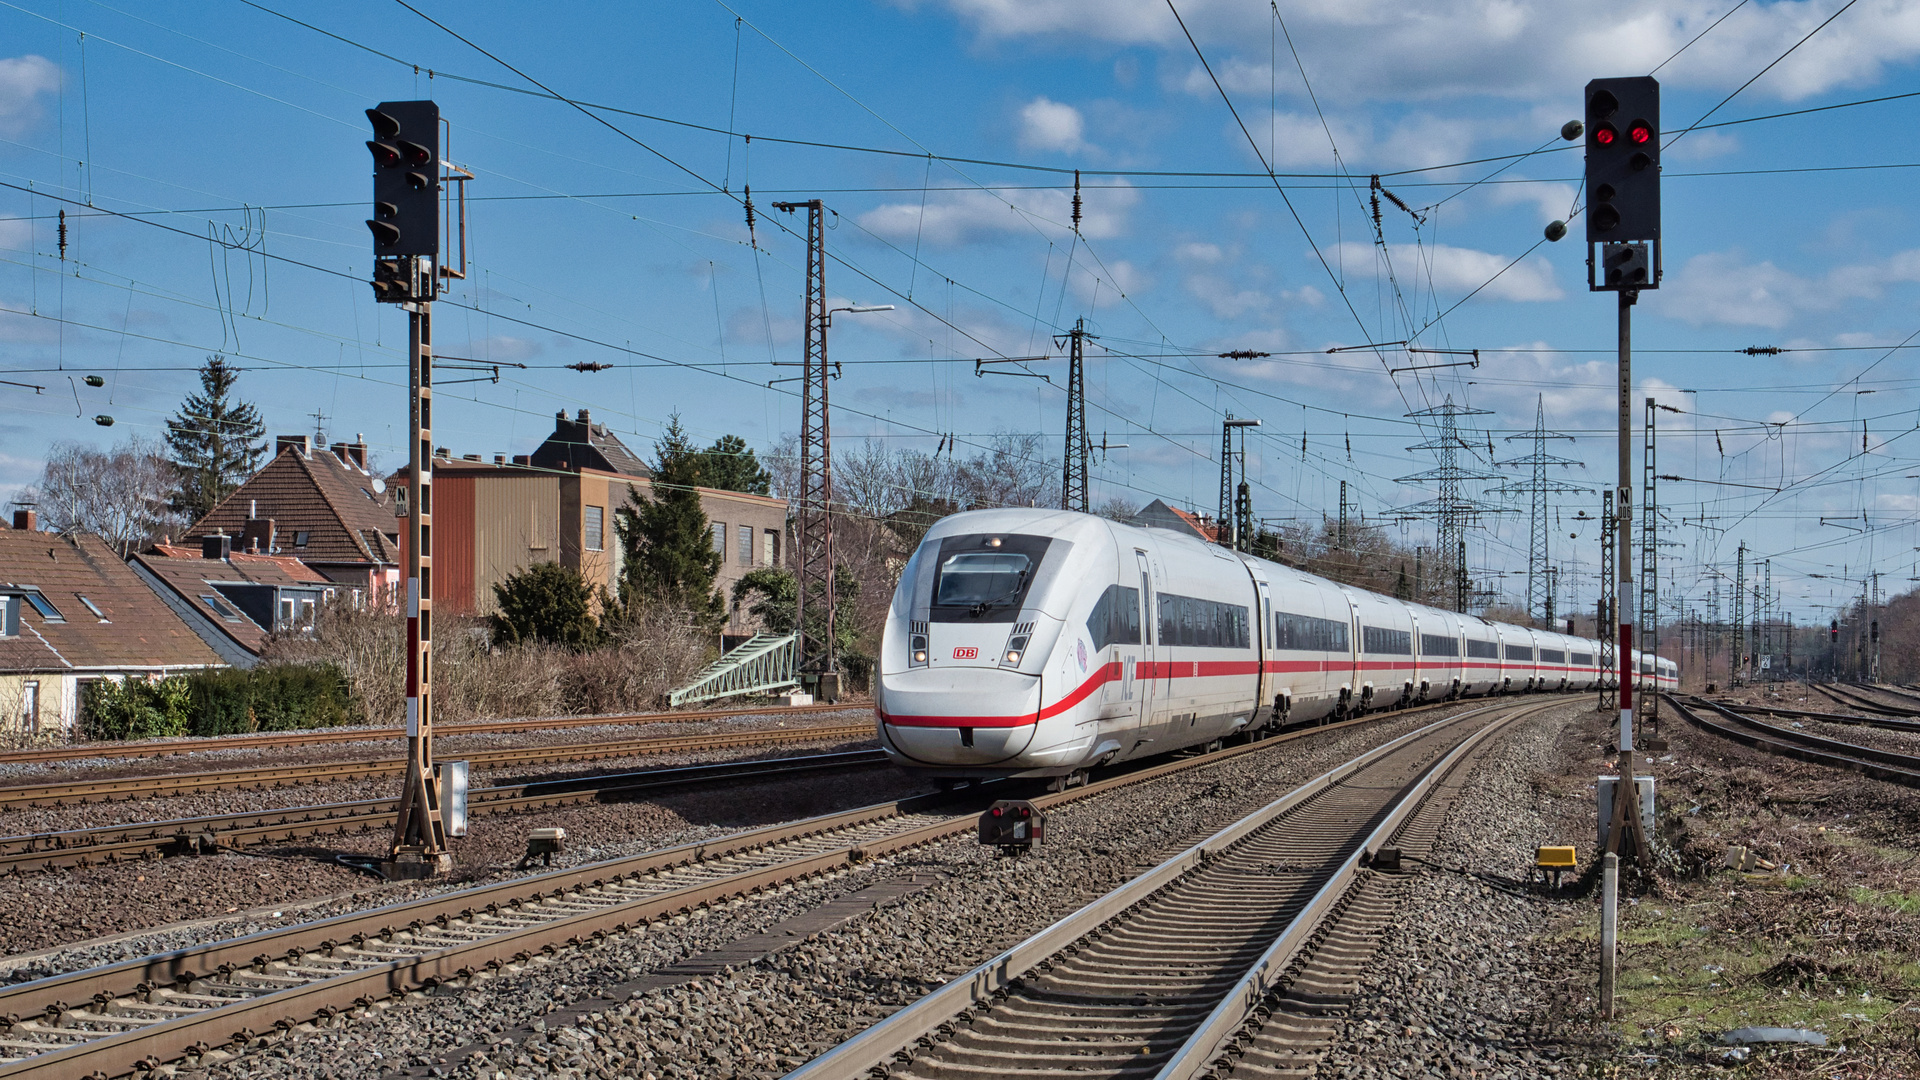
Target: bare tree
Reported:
[(1013, 470), (120, 495)]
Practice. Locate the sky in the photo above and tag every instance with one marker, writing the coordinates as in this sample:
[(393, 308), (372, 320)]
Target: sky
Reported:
[(210, 159)]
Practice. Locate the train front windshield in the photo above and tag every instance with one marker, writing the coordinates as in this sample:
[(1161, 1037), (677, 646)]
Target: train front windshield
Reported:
[(966, 580), (984, 577)]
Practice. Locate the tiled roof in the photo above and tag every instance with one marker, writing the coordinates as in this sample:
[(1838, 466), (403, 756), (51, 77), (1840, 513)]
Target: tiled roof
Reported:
[(337, 506), (582, 444), (140, 631), (192, 577)]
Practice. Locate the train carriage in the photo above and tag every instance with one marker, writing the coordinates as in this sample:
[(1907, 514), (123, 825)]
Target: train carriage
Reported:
[(1043, 643)]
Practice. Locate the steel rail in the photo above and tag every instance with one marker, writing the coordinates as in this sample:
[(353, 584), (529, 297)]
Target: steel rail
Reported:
[(1888, 722), (1874, 762), (319, 736), (1855, 700), (145, 840), (117, 789), (882, 1045), (135, 1014)]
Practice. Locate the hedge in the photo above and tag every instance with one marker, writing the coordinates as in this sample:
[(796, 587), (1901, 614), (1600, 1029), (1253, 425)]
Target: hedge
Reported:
[(280, 697)]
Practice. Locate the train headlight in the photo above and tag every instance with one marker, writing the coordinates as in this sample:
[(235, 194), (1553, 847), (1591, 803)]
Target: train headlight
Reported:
[(917, 645), (1016, 648)]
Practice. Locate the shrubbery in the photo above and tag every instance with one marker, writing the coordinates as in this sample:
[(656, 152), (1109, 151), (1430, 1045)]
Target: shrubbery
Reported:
[(278, 697)]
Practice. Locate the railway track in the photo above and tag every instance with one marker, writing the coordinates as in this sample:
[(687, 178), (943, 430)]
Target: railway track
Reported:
[(195, 1003), (200, 835), (323, 736), (1730, 724), (1855, 700), (1887, 722), (1162, 975), (81, 792)]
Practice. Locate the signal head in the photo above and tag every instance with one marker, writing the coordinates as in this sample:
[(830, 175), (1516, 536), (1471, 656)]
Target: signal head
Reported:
[(1639, 133), (1603, 104), (415, 153), (384, 126), (385, 234), (1605, 134), (385, 156)]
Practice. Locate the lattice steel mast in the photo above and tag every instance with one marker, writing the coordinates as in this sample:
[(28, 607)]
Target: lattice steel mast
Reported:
[(813, 518), (1537, 487)]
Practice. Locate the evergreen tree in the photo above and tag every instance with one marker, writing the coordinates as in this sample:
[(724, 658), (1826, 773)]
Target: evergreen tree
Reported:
[(545, 602), (730, 466), (667, 542), (216, 441)]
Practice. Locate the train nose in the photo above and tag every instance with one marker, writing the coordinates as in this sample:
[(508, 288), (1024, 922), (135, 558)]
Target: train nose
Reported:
[(958, 716)]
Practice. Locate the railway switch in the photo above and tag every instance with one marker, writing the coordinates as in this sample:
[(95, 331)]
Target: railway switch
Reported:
[(1013, 826)]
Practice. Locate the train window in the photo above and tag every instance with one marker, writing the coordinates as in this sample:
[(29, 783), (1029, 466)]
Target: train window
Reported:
[(1484, 649), (1520, 652), (1379, 639), (1582, 659), (1552, 656), (1187, 620), (1116, 618), (980, 578), (1439, 645), (1308, 634)]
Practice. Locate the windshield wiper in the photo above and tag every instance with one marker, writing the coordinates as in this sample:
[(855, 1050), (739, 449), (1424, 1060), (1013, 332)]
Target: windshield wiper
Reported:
[(978, 609)]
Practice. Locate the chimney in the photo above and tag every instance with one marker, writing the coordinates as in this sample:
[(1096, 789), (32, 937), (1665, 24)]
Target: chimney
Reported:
[(302, 443), (469, 457), (340, 451), (499, 459), (258, 536), (584, 416), (27, 520), (358, 448), (523, 459), (219, 546)]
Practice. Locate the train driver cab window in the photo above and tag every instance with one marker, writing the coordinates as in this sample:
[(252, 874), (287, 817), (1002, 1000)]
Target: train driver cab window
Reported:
[(980, 578), (1116, 618)]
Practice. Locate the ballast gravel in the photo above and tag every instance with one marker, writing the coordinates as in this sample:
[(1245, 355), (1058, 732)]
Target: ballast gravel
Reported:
[(770, 1016), (1456, 987)]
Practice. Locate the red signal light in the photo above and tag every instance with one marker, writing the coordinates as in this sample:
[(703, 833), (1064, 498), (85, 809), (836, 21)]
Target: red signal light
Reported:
[(1640, 133), (384, 156), (1604, 134)]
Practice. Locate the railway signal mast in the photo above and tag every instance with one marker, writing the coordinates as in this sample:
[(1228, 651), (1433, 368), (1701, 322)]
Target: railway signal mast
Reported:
[(406, 249)]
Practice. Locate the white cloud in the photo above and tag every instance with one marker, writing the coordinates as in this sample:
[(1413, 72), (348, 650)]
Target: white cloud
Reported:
[(1227, 299), (1052, 125), (1554, 201), (503, 348), (1437, 49), (1196, 252), (23, 79), (1458, 271), (1719, 288), (968, 216)]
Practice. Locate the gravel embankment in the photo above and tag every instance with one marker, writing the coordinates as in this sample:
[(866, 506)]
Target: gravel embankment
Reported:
[(1457, 988), (228, 895), (764, 1018)]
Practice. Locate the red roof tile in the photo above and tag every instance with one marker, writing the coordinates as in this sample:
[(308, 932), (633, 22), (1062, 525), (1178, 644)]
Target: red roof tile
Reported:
[(134, 628), (337, 506)]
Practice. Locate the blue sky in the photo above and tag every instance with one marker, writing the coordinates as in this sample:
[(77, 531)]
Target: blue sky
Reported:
[(234, 134)]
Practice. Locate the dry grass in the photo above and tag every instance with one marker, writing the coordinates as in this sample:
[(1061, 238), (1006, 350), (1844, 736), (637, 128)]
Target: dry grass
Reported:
[(648, 656)]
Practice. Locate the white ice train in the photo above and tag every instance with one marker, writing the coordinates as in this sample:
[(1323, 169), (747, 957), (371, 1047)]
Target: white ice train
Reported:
[(1027, 642)]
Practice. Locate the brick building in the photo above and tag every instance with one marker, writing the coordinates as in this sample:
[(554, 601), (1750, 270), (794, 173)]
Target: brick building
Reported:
[(493, 518), (320, 506), (234, 600), (71, 612)]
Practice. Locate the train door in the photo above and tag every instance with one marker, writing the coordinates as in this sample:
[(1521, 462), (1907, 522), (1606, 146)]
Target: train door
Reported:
[(1145, 680), (1262, 640), (1361, 693)]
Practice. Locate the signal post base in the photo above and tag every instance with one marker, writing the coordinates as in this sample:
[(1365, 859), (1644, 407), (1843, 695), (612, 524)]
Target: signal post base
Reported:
[(416, 866)]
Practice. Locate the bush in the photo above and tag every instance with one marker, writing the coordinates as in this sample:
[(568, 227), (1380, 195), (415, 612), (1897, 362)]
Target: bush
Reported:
[(220, 701)]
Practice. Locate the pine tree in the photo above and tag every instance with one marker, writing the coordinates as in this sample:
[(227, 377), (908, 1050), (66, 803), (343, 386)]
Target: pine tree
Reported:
[(667, 542), (216, 442), (730, 466), (545, 602)]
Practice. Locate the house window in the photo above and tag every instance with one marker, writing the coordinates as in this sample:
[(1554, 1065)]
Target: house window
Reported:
[(746, 545), (30, 706), (220, 607), (770, 548), (93, 607), (9, 616), (44, 606), (300, 538), (720, 537), (596, 528), (286, 611)]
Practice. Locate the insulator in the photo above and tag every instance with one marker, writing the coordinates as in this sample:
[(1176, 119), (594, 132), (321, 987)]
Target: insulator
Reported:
[(1076, 200), (752, 238), (63, 235)]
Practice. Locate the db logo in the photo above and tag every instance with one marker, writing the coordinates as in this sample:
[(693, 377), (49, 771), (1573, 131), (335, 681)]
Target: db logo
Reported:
[(966, 652)]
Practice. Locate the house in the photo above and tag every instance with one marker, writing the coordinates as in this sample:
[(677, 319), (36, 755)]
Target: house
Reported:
[(235, 600), (320, 506), (558, 504), (1158, 515), (71, 612)]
